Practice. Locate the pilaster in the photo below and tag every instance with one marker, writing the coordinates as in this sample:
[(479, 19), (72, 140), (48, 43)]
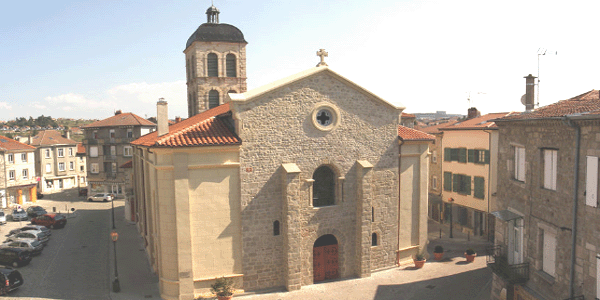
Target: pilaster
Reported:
[(292, 226), (363, 222)]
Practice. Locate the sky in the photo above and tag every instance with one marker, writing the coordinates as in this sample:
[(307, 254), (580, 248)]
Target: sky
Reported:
[(86, 59)]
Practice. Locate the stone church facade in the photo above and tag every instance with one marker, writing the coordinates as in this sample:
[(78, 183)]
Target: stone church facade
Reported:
[(299, 181)]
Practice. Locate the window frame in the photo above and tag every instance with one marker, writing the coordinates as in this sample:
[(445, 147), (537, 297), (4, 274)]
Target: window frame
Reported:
[(318, 186), (11, 174), (48, 168), (47, 153), (127, 151), (212, 65), (70, 151), (61, 167), (519, 163), (11, 158), (93, 151), (95, 168), (24, 157), (25, 173), (550, 161), (60, 152), (71, 166)]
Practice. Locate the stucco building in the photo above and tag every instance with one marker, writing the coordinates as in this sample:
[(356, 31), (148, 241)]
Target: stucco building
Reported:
[(18, 178)]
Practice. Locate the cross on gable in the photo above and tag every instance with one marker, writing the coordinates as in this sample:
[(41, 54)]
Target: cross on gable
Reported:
[(324, 118), (322, 53)]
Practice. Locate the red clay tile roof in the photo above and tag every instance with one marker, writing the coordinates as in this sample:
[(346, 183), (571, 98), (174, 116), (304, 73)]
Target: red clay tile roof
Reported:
[(585, 104), (203, 129), (50, 137), (483, 122), (127, 165), (409, 134), (10, 144), (80, 148), (405, 115), (436, 128), (122, 119)]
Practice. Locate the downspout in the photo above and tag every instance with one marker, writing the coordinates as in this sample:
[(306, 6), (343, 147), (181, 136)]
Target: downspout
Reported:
[(575, 188), (487, 217), (399, 194)]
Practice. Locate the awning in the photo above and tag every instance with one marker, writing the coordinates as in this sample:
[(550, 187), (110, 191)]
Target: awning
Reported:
[(506, 215)]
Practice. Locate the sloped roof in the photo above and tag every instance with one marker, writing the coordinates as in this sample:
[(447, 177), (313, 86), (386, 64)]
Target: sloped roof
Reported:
[(10, 144), (405, 115), (127, 165), (482, 122), (50, 137), (586, 104), (122, 119), (80, 148), (203, 129), (436, 128), (409, 134)]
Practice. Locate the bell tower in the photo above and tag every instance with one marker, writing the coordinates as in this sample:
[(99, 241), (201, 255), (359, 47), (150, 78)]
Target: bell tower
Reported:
[(215, 63)]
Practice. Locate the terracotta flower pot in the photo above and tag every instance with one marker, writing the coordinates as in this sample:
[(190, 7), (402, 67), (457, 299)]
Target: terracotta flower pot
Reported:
[(438, 256), (470, 258), (419, 263), (224, 297)]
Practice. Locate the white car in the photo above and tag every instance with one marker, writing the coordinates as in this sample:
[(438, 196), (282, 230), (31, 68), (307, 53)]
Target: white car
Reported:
[(100, 197)]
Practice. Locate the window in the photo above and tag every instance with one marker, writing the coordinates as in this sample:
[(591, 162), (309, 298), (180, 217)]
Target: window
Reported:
[(81, 168), (479, 187), (25, 173), (47, 151), (461, 184), (276, 228), (212, 64), (213, 99), (94, 168), (71, 166), (114, 167), (48, 168), (112, 133), (434, 156), (11, 158), (374, 239), (23, 157), (323, 187), (372, 214), (95, 133), (70, 151), (550, 160), (548, 252), (479, 156), (113, 150), (11, 175), (519, 164), (61, 152), (61, 166), (94, 151), (434, 182), (455, 154), (591, 182), (129, 133), (230, 65), (447, 181), (127, 151)]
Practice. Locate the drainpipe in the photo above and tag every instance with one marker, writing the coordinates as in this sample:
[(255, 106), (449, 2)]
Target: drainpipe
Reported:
[(576, 186), (489, 190), (400, 142)]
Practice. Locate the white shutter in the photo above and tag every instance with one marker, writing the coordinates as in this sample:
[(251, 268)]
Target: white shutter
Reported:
[(521, 163), (94, 151), (547, 169), (591, 182), (549, 256), (554, 168)]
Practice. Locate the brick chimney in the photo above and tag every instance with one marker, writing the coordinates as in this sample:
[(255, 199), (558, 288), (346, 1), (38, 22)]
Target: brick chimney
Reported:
[(473, 113), (162, 117), (529, 92), (177, 119), (118, 112)]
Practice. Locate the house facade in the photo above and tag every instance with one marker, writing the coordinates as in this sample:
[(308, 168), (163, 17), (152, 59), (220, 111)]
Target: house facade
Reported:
[(18, 176), (55, 161), (547, 243)]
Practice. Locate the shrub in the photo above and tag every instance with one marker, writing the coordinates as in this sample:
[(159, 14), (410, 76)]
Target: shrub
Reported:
[(222, 287), (438, 249), (419, 257), (470, 251)]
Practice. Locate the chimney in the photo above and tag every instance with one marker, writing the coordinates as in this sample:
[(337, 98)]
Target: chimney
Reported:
[(68, 134), (29, 140), (177, 119), (472, 113), (162, 117), (529, 92), (118, 112)]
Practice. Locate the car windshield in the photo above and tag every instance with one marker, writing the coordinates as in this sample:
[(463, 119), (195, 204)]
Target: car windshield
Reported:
[(99, 195), (59, 217), (35, 244), (17, 211)]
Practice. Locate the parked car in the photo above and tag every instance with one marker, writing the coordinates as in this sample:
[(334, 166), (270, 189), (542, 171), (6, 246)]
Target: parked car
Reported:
[(10, 280), (2, 217), (50, 220), (34, 211), (19, 214), (32, 234), (41, 228), (14, 257), (34, 247), (100, 197)]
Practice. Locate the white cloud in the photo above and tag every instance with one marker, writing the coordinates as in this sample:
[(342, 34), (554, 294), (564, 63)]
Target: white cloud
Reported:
[(4, 105), (38, 105)]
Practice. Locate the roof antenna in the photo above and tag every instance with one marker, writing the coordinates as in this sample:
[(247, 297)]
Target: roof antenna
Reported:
[(540, 52)]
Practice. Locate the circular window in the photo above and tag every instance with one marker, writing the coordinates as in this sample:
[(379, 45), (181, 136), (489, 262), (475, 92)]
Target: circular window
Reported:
[(325, 116)]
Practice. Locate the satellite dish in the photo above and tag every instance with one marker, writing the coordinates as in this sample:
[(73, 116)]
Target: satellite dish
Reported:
[(523, 99)]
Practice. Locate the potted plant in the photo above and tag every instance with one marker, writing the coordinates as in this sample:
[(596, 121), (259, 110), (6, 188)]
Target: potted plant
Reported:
[(470, 255), (223, 288), (438, 252), (419, 260)]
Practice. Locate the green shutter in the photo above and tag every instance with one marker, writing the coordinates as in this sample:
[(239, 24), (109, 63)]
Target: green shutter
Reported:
[(454, 156), (447, 181), (447, 154), (455, 183), (479, 187), (471, 155), (467, 184), (487, 156), (462, 155)]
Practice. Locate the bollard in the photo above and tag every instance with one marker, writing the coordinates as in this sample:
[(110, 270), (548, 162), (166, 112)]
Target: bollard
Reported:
[(440, 233), (54, 209), (468, 235)]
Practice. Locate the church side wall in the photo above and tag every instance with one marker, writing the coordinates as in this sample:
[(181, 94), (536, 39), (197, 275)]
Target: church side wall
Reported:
[(277, 128)]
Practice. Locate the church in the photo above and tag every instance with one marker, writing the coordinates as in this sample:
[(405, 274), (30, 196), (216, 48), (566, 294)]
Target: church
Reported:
[(306, 179)]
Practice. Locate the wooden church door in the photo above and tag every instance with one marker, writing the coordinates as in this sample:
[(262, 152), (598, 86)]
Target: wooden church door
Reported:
[(325, 258)]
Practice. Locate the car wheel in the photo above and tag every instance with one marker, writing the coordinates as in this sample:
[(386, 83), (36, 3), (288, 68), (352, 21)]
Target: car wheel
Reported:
[(15, 264), (90, 199), (104, 200)]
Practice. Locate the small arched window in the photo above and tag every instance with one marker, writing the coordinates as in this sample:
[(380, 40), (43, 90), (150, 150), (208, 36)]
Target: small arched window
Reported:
[(323, 187), (276, 228), (232, 91), (374, 239), (212, 65), (213, 99), (230, 65)]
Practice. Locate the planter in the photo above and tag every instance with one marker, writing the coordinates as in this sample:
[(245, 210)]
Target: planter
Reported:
[(438, 256), (224, 297), (470, 257), (419, 263)]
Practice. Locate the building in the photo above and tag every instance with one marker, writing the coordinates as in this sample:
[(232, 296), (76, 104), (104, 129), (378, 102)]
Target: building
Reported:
[(55, 161), (81, 166), (469, 172), (547, 242), (107, 144), (408, 120), (18, 178)]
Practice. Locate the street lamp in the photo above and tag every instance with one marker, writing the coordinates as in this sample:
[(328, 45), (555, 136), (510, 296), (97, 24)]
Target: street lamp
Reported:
[(451, 200), (115, 236)]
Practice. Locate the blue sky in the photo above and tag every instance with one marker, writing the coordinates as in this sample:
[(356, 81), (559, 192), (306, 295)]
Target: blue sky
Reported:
[(85, 59)]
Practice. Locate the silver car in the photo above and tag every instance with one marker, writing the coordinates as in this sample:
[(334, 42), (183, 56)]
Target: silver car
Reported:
[(41, 228), (100, 197), (34, 247), (31, 234), (19, 214)]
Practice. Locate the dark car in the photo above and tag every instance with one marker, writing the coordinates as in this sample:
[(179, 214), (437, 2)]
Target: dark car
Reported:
[(14, 257), (50, 220), (10, 280), (34, 211)]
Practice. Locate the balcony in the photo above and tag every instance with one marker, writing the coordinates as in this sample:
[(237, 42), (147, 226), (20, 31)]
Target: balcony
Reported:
[(497, 260)]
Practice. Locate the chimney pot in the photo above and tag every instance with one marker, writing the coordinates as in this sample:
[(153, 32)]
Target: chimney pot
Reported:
[(118, 112), (529, 92), (162, 117)]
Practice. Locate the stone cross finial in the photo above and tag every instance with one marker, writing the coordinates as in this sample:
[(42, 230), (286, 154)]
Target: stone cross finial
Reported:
[(322, 53)]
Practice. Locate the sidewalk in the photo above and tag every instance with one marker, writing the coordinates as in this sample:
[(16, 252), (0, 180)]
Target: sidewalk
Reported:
[(137, 281)]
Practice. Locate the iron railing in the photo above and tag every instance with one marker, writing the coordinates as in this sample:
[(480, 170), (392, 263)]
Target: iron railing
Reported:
[(577, 298), (497, 260)]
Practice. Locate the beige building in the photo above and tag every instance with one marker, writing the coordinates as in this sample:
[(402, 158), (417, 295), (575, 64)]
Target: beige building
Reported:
[(18, 178), (56, 161)]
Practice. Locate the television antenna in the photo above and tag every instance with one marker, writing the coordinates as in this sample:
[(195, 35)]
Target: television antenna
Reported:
[(541, 52)]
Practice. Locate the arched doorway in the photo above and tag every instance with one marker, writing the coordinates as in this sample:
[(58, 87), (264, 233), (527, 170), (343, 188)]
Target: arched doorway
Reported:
[(325, 258)]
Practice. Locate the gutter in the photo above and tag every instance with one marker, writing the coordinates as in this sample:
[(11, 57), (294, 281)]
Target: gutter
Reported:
[(568, 121)]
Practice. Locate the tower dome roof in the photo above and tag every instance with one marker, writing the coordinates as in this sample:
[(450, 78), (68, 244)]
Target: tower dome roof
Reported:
[(216, 32)]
